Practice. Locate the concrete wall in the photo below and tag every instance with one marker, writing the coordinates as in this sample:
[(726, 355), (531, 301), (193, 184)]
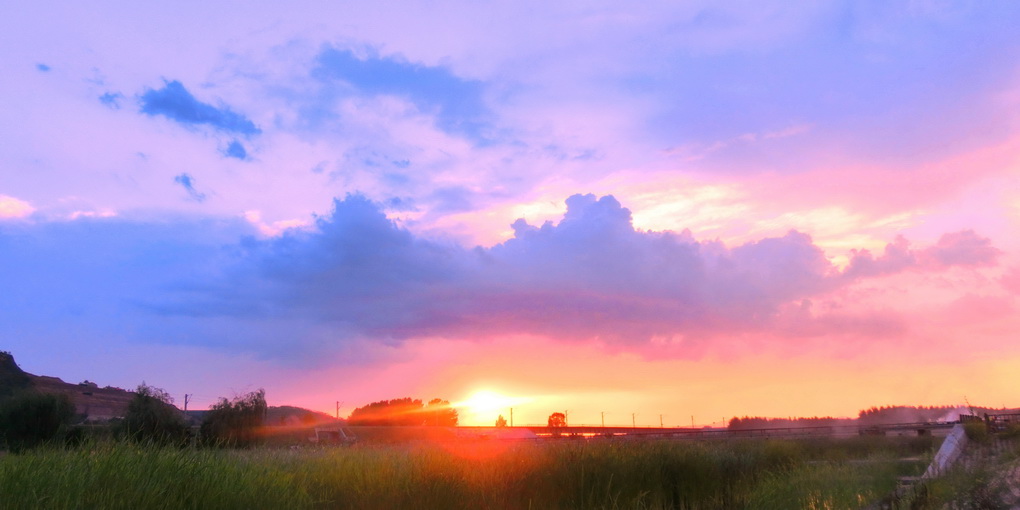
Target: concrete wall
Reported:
[(950, 451)]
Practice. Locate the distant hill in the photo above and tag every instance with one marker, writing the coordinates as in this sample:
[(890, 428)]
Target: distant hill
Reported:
[(283, 416), (12, 378), (291, 416), (90, 401), (93, 403)]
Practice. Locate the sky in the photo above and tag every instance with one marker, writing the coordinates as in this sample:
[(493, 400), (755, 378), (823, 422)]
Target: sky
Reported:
[(665, 212)]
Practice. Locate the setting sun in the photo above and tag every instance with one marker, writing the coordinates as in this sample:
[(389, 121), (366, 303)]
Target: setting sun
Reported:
[(484, 406)]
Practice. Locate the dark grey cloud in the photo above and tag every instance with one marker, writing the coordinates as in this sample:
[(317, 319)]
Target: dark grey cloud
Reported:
[(176, 103)]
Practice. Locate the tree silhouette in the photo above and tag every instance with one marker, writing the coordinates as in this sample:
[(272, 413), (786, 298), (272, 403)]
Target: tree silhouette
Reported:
[(405, 412), (440, 413), (237, 422), (152, 417), (557, 420), (501, 421), (31, 419)]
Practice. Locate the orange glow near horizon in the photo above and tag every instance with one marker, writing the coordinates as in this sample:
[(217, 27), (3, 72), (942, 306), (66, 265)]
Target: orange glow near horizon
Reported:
[(487, 379)]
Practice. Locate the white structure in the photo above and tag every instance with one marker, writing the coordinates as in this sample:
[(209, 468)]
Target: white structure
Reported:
[(950, 451)]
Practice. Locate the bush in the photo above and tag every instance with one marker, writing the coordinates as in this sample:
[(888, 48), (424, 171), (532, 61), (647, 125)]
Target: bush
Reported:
[(152, 418), (1011, 431), (29, 419), (976, 431), (237, 422)]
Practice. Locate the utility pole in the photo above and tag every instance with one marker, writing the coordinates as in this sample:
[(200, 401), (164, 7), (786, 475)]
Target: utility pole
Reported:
[(660, 422), (186, 397), (338, 404), (566, 418), (603, 413), (633, 420), (692, 421), (511, 417)]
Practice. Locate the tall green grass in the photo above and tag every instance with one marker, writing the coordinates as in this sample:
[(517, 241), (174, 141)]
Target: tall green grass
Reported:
[(123, 475), (469, 475), (985, 478)]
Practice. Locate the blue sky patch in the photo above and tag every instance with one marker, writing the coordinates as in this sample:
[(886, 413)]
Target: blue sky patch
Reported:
[(456, 102), (111, 99), (236, 150)]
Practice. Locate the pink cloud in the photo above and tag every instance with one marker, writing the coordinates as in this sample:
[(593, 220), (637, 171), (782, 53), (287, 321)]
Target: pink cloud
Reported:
[(1011, 280), (11, 207), (976, 308), (831, 176), (964, 248)]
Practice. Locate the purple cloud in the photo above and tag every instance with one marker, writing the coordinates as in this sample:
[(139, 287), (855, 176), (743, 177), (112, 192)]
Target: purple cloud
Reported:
[(357, 277), (188, 183), (176, 103), (897, 257), (592, 275), (963, 248)]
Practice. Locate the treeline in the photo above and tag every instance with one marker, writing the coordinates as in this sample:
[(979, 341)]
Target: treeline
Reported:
[(152, 418), (882, 415), (759, 422), (917, 414), (29, 419), (405, 412)]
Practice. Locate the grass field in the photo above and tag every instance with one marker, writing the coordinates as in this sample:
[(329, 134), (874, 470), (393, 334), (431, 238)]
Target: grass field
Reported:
[(781, 474)]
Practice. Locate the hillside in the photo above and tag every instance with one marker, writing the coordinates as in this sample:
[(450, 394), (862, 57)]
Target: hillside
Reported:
[(90, 401), (95, 403), (12, 378)]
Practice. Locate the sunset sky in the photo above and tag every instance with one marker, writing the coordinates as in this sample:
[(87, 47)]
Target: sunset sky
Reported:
[(690, 209)]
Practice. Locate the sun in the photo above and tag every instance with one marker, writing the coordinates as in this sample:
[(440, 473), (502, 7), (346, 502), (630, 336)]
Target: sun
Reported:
[(483, 406), (486, 401)]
